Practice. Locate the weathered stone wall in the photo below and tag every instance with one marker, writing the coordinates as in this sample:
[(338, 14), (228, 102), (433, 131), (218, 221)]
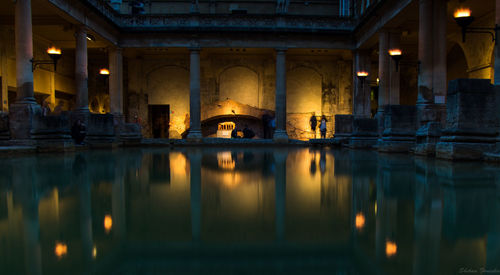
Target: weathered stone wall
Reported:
[(316, 84)]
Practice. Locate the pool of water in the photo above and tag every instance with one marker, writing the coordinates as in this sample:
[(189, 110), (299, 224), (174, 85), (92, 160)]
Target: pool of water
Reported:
[(247, 211)]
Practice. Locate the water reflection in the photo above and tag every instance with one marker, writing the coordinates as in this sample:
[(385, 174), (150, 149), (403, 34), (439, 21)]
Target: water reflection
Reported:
[(255, 210)]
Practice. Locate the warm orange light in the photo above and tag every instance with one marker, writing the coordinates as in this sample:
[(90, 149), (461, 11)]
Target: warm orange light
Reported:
[(108, 223), (104, 71), (61, 249), (53, 50), (362, 74), (462, 12), (360, 221), (393, 52), (390, 248)]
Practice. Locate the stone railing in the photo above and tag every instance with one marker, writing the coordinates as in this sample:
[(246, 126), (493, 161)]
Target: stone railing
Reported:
[(230, 22)]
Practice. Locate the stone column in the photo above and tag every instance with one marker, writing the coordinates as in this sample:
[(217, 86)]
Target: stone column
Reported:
[(425, 52), (116, 82), (23, 111), (24, 52), (439, 72), (4, 106), (497, 47), (81, 71), (383, 71), (394, 75), (194, 96), (361, 98), (280, 134)]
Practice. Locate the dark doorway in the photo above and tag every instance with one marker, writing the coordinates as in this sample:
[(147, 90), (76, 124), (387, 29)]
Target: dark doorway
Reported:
[(160, 119)]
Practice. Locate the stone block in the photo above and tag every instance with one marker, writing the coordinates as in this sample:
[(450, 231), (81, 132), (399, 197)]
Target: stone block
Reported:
[(100, 130), (472, 122), (364, 133), (426, 138), (52, 133), (4, 126), (343, 128), (399, 128), (130, 134), (21, 119)]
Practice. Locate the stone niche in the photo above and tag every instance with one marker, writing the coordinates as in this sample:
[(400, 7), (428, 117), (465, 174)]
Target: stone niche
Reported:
[(472, 120)]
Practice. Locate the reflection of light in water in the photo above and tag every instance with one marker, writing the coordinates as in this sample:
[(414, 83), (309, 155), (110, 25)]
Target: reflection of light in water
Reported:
[(375, 208), (108, 223), (390, 248), (61, 249), (231, 179), (225, 161), (178, 165), (360, 221), (94, 252)]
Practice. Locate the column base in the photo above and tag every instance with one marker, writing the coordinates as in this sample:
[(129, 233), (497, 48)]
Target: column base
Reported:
[(194, 136), (280, 136), (21, 117)]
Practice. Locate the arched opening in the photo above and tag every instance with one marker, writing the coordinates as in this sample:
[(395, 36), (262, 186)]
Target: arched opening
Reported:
[(456, 64), (239, 84)]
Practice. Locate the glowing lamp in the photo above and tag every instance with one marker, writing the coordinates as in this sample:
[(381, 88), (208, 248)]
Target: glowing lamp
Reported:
[(108, 223), (362, 74), (104, 71), (54, 50), (463, 18), (54, 54), (462, 12), (360, 221), (390, 248), (396, 55), (61, 249)]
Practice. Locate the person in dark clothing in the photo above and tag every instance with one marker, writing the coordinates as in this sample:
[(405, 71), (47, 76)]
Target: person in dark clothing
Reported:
[(248, 133), (322, 126), (78, 131), (234, 133), (313, 122)]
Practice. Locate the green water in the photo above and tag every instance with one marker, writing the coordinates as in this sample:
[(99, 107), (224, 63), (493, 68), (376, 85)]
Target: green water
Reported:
[(247, 211)]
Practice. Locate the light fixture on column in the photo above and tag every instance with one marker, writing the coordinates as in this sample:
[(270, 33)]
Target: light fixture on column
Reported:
[(54, 54), (396, 55), (362, 75), (104, 72), (463, 17)]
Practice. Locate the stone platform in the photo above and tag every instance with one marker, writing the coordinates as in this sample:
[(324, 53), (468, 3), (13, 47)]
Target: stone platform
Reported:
[(364, 133), (399, 129)]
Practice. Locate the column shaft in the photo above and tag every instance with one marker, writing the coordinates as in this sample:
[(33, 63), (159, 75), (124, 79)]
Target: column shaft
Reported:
[(194, 95), (116, 81), (361, 98), (280, 132), (394, 75), (383, 70), (24, 52), (81, 70), (439, 54), (425, 52)]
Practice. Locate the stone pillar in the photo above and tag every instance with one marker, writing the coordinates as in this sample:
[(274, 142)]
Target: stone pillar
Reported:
[(383, 71), (497, 47), (394, 75), (23, 111), (425, 50), (81, 71), (194, 96), (280, 134), (361, 98), (439, 73), (116, 82), (24, 52), (4, 106)]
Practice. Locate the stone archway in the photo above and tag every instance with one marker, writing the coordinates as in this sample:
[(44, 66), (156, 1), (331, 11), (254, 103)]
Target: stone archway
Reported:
[(240, 84)]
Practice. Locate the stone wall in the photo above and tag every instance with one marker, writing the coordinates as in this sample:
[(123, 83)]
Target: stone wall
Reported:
[(316, 84)]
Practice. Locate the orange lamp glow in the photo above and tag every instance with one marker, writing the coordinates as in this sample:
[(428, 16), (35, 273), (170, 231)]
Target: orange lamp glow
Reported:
[(462, 12), (390, 248), (362, 74), (53, 50), (104, 71), (360, 221), (395, 52), (108, 223), (61, 249)]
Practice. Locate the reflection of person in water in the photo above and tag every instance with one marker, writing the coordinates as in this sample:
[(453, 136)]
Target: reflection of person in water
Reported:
[(322, 162)]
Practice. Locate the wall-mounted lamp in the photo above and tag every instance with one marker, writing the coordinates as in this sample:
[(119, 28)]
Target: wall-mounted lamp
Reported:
[(90, 37), (104, 72), (396, 55), (362, 75), (463, 17), (54, 54)]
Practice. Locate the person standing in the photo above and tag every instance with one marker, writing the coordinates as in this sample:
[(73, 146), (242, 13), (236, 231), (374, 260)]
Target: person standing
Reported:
[(322, 127), (313, 122)]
